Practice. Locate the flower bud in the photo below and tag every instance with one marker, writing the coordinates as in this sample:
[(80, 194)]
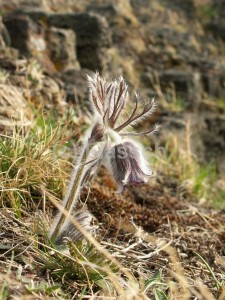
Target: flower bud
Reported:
[(97, 133)]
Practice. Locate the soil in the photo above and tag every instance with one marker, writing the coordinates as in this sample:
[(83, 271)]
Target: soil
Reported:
[(162, 209)]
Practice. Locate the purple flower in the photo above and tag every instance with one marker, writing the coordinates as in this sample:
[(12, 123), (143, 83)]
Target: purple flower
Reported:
[(128, 164)]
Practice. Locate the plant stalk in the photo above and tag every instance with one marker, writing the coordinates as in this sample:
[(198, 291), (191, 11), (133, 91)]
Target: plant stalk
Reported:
[(71, 198)]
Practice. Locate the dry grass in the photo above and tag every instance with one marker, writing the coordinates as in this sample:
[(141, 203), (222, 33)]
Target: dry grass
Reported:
[(34, 169), (32, 266), (13, 106)]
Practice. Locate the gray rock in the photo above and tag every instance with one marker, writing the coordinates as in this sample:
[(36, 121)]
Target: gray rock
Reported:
[(107, 10), (207, 139), (75, 85), (212, 76), (214, 83), (217, 29), (187, 86), (214, 140), (93, 37), (62, 48), (186, 6), (36, 13), (26, 36), (91, 29)]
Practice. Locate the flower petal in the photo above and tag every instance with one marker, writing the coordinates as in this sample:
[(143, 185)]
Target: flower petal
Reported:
[(128, 164)]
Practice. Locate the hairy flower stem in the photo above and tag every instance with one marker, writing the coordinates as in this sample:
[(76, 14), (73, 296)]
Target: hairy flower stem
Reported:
[(74, 189)]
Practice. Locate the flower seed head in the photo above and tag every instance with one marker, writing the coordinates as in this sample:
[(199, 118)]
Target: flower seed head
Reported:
[(107, 98)]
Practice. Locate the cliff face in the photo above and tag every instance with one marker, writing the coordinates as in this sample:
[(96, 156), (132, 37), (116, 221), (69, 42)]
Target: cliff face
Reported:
[(173, 50)]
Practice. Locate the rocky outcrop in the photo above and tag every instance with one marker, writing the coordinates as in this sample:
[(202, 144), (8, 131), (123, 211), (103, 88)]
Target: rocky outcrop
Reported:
[(90, 39), (207, 135), (27, 82), (213, 138), (212, 76), (93, 37), (217, 29), (29, 38), (75, 85), (26, 35), (186, 85), (61, 44)]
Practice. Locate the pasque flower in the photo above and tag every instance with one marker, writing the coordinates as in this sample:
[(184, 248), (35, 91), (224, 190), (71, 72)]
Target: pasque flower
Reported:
[(108, 139), (128, 164), (109, 102)]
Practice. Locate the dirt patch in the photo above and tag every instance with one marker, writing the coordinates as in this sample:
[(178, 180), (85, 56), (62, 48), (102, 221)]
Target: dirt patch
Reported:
[(168, 215), (163, 211)]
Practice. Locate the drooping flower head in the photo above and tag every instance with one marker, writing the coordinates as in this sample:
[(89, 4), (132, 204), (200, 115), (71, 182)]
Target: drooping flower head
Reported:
[(128, 164)]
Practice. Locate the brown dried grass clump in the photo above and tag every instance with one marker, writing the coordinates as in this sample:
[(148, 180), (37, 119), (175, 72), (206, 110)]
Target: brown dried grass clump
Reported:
[(13, 107)]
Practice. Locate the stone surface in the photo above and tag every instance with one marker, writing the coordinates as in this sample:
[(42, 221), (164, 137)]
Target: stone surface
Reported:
[(25, 35), (91, 29), (31, 84), (29, 38), (207, 135), (217, 29), (187, 6), (62, 48), (214, 140), (212, 76), (93, 37), (75, 85), (186, 85)]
